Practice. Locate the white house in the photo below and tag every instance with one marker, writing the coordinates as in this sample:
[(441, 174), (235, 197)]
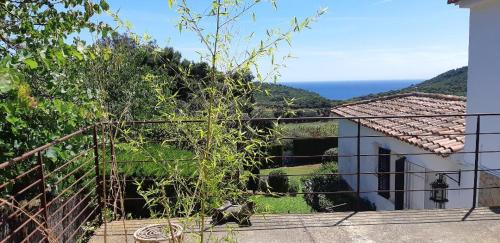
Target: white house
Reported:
[(433, 145), (416, 148), (483, 89)]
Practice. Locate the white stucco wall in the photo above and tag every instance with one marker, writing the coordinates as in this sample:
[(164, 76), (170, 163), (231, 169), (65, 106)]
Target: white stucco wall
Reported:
[(418, 181), (483, 86)]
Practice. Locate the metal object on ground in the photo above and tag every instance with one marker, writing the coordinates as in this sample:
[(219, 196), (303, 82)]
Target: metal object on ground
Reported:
[(159, 233)]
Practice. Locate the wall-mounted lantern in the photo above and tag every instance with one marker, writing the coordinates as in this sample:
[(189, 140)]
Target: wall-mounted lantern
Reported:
[(439, 193)]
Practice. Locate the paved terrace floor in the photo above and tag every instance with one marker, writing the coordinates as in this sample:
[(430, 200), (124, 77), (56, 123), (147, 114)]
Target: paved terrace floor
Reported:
[(448, 225)]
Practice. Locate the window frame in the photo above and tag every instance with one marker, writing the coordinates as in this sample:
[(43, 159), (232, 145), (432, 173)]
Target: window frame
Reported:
[(384, 178)]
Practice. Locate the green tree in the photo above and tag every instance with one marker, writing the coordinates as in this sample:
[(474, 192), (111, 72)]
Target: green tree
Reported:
[(41, 99), (223, 143)]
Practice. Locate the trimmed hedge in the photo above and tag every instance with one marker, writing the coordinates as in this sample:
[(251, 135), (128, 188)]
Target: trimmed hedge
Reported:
[(312, 146)]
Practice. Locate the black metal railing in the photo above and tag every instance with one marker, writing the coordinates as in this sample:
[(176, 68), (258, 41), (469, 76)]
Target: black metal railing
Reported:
[(54, 198)]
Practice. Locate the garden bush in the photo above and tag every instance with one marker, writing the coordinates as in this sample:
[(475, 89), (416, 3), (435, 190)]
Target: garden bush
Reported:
[(293, 187), (320, 182), (330, 155), (278, 181)]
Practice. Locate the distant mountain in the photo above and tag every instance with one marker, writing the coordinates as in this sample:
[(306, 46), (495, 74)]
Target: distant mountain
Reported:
[(279, 94), (453, 82)]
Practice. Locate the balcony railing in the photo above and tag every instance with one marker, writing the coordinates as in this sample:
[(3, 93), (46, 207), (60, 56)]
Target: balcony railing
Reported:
[(45, 198)]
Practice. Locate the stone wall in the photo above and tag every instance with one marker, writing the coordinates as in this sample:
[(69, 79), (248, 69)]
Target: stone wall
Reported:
[(488, 197)]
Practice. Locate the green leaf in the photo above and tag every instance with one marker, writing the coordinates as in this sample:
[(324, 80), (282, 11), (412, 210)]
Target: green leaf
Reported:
[(104, 5), (51, 154), (180, 27), (32, 64), (76, 54), (59, 54), (171, 3), (106, 56), (58, 105), (11, 119), (5, 83), (322, 11)]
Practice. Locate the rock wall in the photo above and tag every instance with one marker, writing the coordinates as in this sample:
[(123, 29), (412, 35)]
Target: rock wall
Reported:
[(488, 197)]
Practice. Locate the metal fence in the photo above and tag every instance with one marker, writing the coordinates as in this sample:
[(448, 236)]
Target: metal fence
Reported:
[(58, 191)]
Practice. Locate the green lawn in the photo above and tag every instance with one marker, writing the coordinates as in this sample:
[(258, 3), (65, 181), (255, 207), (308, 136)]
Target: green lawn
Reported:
[(157, 154), (286, 204), (280, 205), (295, 170)]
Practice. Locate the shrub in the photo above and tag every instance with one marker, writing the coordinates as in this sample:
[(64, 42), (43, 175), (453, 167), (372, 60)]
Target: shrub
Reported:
[(330, 155), (319, 182), (293, 187), (278, 181), (263, 186), (327, 168)]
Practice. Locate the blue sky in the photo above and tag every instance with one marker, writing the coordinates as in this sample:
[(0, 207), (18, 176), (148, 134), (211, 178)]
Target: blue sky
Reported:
[(355, 40)]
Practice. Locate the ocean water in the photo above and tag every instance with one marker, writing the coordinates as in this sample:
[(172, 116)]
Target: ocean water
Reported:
[(342, 90)]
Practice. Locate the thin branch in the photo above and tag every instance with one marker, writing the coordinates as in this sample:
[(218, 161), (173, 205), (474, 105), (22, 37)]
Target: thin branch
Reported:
[(196, 28), (243, 11), (261, 50)]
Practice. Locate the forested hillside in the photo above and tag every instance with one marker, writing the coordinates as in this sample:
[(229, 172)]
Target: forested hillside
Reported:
[(279, 95), (453, 82), (276, 100)]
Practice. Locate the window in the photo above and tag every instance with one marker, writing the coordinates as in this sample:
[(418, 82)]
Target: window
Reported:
[(384, 178)]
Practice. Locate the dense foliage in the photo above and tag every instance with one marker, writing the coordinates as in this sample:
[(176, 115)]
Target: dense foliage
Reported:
[(276, 100), (42, 97), (280, 95), (131, 73), (453, 82)]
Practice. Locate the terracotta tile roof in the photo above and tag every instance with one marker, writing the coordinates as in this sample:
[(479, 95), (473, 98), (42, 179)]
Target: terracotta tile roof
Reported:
[(442, 135)]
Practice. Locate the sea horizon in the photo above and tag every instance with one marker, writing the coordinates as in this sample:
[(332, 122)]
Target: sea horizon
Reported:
[(348, 80), (343, 90)]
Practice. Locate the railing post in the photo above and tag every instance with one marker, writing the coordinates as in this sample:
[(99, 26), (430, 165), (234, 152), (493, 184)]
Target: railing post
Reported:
[(476, 160), (96, 161), (358, 168), (39, 160), (104, 198), (112, 133)]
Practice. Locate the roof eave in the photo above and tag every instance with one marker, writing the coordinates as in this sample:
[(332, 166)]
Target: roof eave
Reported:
[(466, 3)]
